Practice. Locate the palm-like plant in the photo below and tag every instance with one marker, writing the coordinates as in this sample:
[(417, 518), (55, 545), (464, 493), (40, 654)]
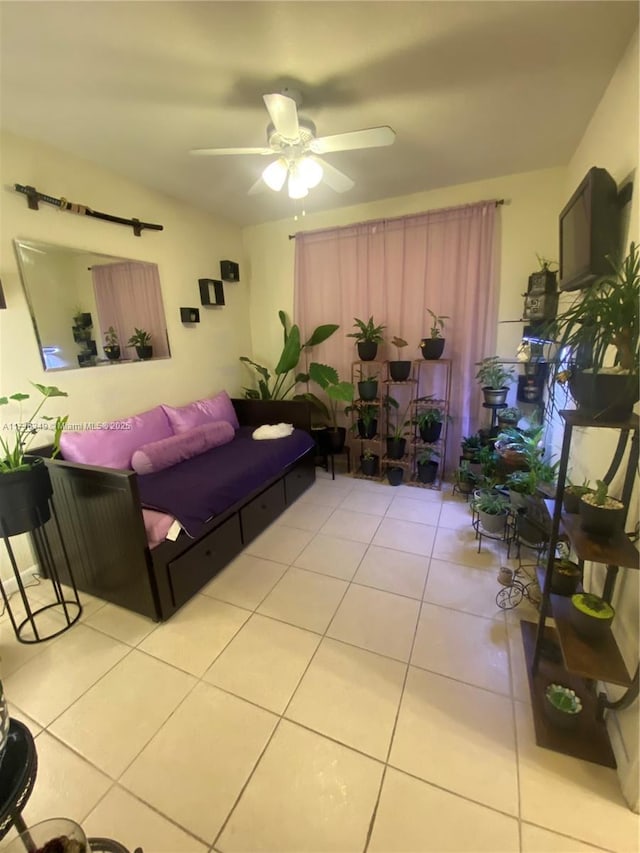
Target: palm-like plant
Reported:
[(367, 332), (13, 451)]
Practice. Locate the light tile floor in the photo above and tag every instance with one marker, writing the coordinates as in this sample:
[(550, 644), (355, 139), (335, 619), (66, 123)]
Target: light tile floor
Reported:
[(346, 684)]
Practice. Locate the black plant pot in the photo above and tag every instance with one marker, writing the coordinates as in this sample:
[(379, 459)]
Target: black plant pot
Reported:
[(370, 466), (84, 320), (367, 430), (396, 448), (395, 475), (430, 432), (565, 578), (24, 499), (604, 396), (495, 396), (427, 472), (432, 348), (112, 352), (571, 502), (336, 437), (399, 370), (368, 389), (601, 521), (590, 627), (144, 353), (367, 350)]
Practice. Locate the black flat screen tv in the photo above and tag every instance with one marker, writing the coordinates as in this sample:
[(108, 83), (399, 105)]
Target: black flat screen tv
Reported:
[(589, 231)]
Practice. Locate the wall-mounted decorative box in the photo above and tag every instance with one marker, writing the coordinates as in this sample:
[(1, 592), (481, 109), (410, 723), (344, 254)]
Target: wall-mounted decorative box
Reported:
[(211, 291), (229, 271), (190, 315)]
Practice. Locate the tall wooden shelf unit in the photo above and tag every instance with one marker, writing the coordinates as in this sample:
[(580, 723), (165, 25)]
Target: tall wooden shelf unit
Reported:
[(407, 394), (583, 662), (362, 370)]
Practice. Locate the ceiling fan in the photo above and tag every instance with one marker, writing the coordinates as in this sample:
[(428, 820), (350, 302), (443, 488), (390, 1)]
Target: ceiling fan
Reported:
[(292, 140)]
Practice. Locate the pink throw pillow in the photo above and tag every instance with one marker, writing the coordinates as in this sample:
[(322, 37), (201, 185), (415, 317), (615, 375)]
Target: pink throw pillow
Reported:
[(217, 408), (170, 451), (112, 444)]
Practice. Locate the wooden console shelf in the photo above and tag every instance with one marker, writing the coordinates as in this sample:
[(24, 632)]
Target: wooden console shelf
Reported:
[(617, 551)]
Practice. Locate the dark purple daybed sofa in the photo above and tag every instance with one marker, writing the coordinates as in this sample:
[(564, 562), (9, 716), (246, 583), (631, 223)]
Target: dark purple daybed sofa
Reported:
[(223, 497)]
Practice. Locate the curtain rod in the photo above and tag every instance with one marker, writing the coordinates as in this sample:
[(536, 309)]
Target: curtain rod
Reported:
[(498, 202)]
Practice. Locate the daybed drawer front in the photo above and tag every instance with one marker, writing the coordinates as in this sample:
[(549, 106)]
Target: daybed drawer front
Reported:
[(192, 570), (261, 511), (298, 481)]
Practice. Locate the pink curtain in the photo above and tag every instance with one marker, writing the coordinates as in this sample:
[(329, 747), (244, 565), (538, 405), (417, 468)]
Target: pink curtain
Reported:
[(394, 270), (127, 296)]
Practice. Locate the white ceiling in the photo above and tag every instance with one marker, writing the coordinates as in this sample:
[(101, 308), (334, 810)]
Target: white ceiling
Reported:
[(473, 89)]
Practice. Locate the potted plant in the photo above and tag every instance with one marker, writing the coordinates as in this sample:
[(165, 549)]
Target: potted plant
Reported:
[(283, 383), (366, 424), (433, 346), (141, 340), (572, 495), (396, 438), (601, 514), (368, 386), (369, 462), (429, 423), (82, 319), (465, 478), (327, 378), (562, 706), (590, 615), (492, 510), (25, 486), (367, 338), (509, 417), (494, 378), (395, 475), (604, 319), (427, 465), (111, 347), (471, 445), (566, 576), (399, 370)]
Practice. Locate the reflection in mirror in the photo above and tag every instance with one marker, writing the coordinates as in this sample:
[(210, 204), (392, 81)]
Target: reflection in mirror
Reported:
[(90, 309)]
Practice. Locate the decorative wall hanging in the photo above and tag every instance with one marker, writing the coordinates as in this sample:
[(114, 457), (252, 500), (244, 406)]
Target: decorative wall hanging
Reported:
[(229, 271), (211, 291), (33, 197), (190, 315)]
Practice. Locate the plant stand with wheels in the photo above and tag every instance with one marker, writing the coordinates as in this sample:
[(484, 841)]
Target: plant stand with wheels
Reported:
[(560, 654)]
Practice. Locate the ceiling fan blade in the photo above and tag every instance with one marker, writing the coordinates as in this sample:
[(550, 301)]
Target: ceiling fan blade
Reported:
[(284, 115), (217, 151), (372, 137), (334, 178)]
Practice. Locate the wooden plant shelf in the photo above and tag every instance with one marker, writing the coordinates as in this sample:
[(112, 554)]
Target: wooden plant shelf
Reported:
[(590, 739), (617, 551)]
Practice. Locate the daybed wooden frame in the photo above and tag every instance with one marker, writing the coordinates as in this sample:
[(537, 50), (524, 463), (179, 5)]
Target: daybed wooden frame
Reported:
[(100, 516)]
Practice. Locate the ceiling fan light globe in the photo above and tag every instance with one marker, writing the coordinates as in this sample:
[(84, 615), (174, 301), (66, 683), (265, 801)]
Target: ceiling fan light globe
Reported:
[(310, 171), (275, 174), (297, 187)]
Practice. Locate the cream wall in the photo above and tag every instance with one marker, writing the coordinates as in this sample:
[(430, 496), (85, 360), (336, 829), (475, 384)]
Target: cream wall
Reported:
[(611, 141), (528, 222), (204, 357)]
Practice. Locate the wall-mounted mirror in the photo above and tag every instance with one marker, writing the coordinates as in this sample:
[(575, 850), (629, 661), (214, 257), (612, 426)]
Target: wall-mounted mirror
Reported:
[(86, 307)]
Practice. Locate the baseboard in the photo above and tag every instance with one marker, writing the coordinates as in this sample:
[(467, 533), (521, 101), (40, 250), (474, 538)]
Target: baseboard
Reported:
[(26, 576)]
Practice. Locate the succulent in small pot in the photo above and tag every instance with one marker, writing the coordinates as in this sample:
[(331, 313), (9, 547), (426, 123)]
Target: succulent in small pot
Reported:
[(590, 615), (427, 465), (111, 344), (566, 576), (572, 495), (601, 515), (562, 706), (509, 417), (395, 475), (494, 379), (399, 370), (367, 338), (433, 346)]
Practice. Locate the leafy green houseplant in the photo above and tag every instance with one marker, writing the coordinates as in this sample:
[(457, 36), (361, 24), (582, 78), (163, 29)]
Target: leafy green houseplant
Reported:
[(141, 340), (433, 346), (111, 344), (492, 511), (398, 428), (471, 445), (282, 384), (509, 416), (336, 392), (465, 478), (597, 339), (427, 465), (366, 423), (367, 338), (369, 463), (367, 385), (494, 378), (25, 486), (429, 423)]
